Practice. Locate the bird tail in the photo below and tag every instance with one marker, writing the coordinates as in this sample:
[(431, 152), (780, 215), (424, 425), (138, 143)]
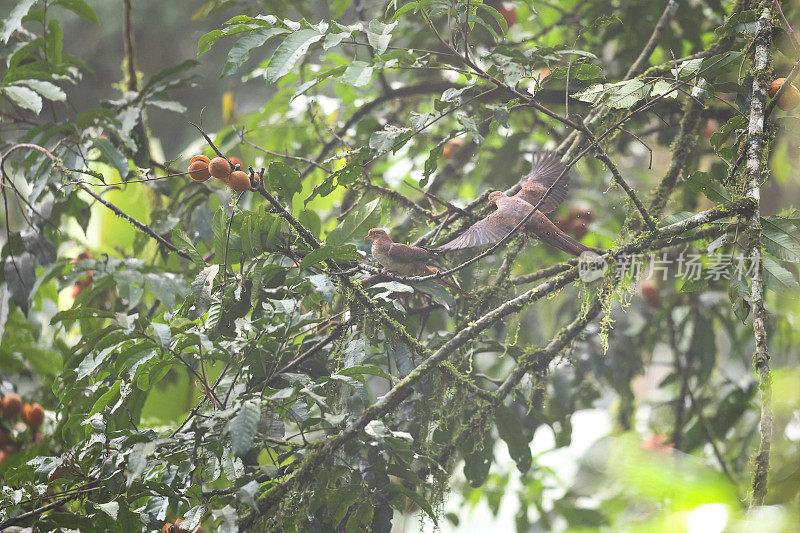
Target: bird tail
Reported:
[(567, 243), (449, 284)]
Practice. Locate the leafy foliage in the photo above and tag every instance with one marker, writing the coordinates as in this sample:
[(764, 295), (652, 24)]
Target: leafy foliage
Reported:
[(233, 360)]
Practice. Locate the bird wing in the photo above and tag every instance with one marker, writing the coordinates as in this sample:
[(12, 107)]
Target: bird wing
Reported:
[(545, 170), (489, 230), (403, 253), (547, 232)]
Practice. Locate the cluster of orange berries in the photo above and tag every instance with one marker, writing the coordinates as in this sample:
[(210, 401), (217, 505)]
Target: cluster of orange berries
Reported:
[(228, 171), (11, 407), (175, 528)]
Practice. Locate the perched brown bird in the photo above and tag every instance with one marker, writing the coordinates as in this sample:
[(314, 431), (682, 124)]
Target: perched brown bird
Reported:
[(510, 212), (403, 259), (545, 170)]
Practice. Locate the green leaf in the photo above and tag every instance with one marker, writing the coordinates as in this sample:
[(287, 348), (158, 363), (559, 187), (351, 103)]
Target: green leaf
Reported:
[(13, 21), (779, 279), (327, 252), (243, 427), (339, 501), (202, 286), (360, 519), (781, 238), (416, 498), (496, 15), (80, 8), (183, 242), (80, 312), (356, 225), (477, 463), (358, 73), (46, 89), (112, 156), (338, 8), (283, 179), (220, 228), (693, 285), (703, 182), (510, 430), (24, 97), (54, 42), (289, 52), (5, 303), (240, 52)]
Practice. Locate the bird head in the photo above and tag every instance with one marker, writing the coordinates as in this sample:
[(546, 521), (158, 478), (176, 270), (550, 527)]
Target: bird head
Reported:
[(496, 195), (376, 233)]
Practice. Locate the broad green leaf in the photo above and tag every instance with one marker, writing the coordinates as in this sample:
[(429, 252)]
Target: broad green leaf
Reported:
[(283, 180), (240, 52), (46, 89), (201, 287), (703, 182), (289, 52), (112, 156), (243, 427), (778, 279), (339, 501), (13, 21), (358, 73), (183, 242), (510, 430), (23, 97), (327, 252), (80, 8), (781, 238), (79, 313), (356, 225)]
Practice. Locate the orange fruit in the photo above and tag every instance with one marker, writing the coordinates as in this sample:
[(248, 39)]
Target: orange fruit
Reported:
[(712, 125), (509, 13), (220, 168), (649, 292), (33, 415), (451, 146), (166, 528), (199, 172), (237, 163), (12, 405), (789, 99), (239, 181)]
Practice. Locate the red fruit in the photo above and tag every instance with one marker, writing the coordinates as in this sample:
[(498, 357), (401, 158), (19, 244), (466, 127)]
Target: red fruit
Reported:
[(198, 171), (543, 73), (3, 456), (650, 293), (451, 146), (712, 125), (789, 99), (239, 181), (82, 283), (167, 528), (12, 405), (220, 168), (200, 158), (237, 163), (33, 415), (509, 13)]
